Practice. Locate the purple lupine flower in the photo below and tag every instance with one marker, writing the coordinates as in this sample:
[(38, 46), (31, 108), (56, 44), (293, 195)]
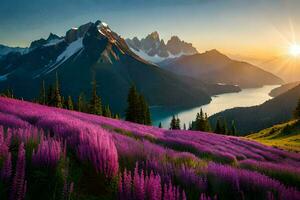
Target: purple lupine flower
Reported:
[(6, 170), (138, 184), (48, 153), (18, 189)]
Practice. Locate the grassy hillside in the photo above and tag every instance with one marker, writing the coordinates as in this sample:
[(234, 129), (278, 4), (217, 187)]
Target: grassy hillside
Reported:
[(285, 136)]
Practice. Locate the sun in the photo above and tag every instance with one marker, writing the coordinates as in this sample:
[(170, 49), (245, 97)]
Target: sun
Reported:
[(294, 50)]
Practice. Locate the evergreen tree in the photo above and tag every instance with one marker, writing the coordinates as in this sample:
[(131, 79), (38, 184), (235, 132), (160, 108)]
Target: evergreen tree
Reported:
[(207, 124), (82, 105), (201, 123), (173, 123), (138, 109), (57, 97), (224, 129), (8, 93), (159, 125), (233, 130), (297, 111), (107, 112), (95, 103), (70, 105), (177, 124), (132, 112), (218, 128), (43, 97), (50, 96), (184, 126)]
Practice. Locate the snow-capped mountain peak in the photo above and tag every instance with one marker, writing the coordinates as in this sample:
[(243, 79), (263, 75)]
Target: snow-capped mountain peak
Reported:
[(155, 50)]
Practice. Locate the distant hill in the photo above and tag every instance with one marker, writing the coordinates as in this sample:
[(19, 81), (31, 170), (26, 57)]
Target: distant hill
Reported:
[(252, 119), (285, 67), (285, 136), (215, 67), (284, 88), (154, 49)]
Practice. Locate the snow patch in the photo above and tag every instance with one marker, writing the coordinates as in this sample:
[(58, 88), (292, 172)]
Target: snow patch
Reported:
[(72, 49), (53, 42), (104, 24), (155, 58), (4, 77)]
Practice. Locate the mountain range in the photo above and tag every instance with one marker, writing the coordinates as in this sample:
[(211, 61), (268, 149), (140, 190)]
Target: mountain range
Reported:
[(155, 50), (252, 119), (94, 50), (215, 67)]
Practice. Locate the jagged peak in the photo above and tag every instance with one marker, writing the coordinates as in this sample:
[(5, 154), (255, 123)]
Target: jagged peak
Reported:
[(52, 36), (154, 35)]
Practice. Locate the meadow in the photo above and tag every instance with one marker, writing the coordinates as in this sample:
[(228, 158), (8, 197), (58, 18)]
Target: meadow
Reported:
[(52, 153)]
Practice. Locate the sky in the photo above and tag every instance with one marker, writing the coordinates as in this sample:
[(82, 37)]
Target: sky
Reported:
[(248, 28)]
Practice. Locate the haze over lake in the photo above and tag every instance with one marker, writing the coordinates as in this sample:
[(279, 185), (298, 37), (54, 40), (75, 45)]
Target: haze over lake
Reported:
[(244, 98)]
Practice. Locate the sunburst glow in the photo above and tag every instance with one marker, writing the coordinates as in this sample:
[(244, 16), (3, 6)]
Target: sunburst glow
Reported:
[(294, 50)]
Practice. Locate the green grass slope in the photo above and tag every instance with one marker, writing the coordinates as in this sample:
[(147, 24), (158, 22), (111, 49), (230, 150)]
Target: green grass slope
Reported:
[(284, 136)]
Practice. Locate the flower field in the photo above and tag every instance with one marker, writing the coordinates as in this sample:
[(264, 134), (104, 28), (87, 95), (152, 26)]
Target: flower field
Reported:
[(50, 153)]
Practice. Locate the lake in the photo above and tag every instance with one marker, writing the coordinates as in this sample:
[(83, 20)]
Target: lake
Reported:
[(244, 98)]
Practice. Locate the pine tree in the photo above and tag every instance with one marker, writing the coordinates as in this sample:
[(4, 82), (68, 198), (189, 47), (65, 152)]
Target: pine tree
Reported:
[(297, 111), (207, 124), (50, 96), (218, 128), (8, 93), (138, 109), (224, 129), (132, 108), (233, 130), (201, 123), (95, 103), (42, 97), (107, 112), (177, 124), (159, 125), (173, 123), (70, 103), (57, 97), (82, 105)]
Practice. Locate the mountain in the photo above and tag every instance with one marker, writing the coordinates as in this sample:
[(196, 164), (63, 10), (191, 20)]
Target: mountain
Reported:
[(285, 67), (284, 136), (252, 119), (155, 50), (283, 88), (94, 50), (215, 67), (4, 50)]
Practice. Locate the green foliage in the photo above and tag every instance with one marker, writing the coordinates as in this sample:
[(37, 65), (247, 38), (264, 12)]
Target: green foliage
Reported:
[(7, 93), (138, 108), (285, 136), (297, 111), (81, 103), (43, 98), (175, 123), (106, 112), (57, 101), (70, 105), (159, 125), (95, 106), (201, 123)]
